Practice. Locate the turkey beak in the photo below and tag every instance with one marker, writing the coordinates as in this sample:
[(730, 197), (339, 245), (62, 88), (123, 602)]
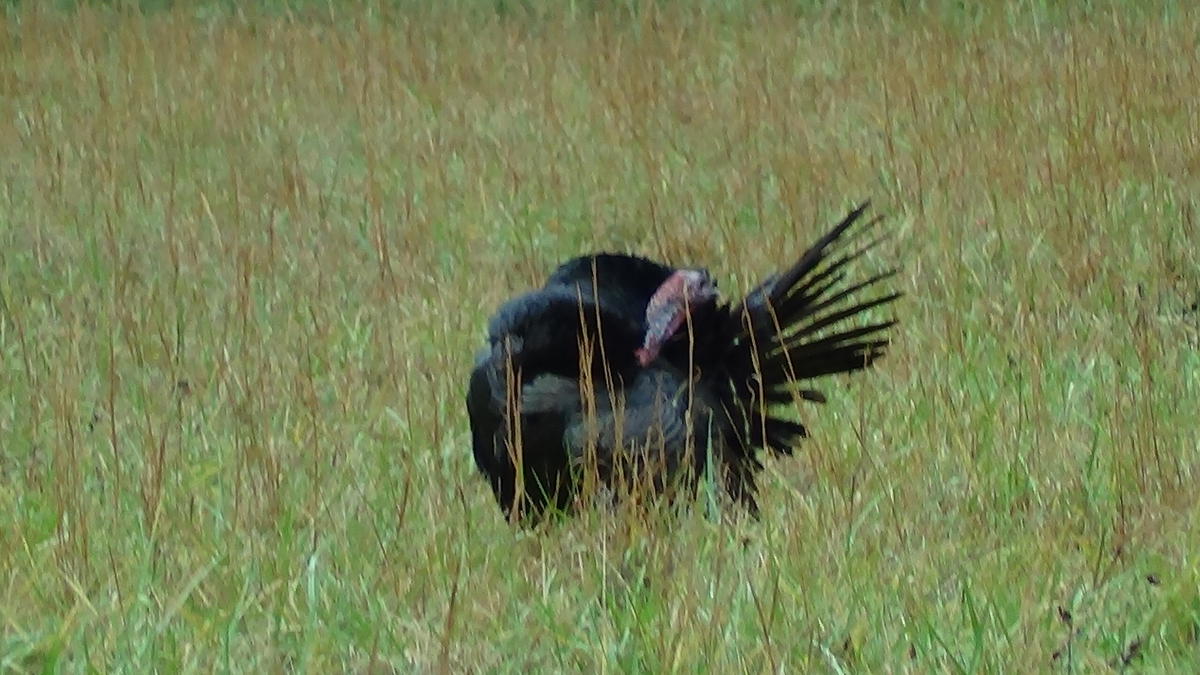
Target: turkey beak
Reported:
[(668, 309)]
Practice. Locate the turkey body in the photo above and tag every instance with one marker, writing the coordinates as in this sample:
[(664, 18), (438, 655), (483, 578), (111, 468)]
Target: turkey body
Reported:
[(626, 374)]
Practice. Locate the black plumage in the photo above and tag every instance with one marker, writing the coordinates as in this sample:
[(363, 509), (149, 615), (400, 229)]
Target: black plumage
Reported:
[(591, 407)]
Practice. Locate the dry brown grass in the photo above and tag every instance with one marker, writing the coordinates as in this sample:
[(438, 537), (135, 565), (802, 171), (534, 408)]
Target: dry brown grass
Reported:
[(247, 258)]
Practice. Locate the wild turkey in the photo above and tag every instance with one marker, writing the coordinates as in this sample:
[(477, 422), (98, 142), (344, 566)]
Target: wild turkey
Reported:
[(637, 372)]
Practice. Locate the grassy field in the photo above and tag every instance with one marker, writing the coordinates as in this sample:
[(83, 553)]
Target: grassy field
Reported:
[(247, 256)]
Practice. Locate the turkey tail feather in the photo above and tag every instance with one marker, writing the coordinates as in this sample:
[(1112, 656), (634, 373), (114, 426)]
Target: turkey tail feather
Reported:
[(798, 325)]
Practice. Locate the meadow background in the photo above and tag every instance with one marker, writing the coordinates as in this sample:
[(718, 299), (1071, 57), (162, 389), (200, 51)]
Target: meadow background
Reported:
[(248, 252)]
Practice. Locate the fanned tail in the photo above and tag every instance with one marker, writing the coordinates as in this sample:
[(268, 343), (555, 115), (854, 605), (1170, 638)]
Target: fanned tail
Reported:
[(799, 325)]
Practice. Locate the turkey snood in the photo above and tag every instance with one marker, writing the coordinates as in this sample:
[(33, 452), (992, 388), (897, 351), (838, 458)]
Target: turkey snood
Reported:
[(668, 308)]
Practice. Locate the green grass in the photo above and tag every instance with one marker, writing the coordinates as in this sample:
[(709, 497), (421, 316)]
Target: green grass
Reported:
[(247, 256)]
